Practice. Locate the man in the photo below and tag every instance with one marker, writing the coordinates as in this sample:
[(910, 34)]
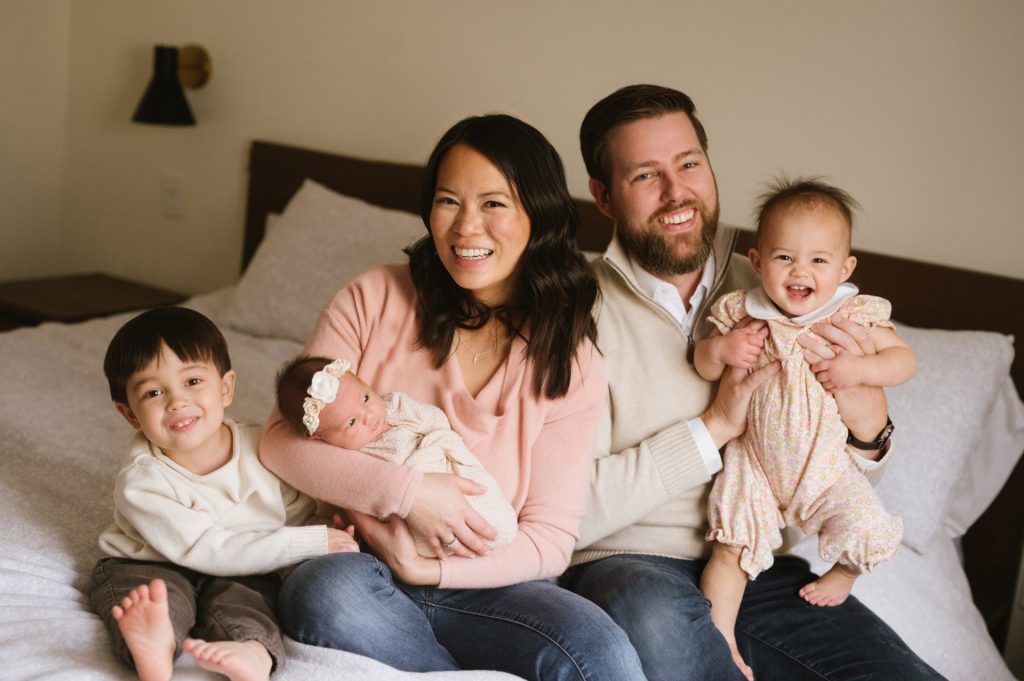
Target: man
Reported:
[(642, 545)]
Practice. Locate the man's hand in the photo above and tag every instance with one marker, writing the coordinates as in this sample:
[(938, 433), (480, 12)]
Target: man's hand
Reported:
[(726, 418), (863, 409), (837, 331)]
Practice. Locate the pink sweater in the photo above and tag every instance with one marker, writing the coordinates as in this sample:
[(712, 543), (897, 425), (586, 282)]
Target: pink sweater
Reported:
[(538, 450)]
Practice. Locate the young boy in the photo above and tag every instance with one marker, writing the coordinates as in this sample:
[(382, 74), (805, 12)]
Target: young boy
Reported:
[(200, 526)]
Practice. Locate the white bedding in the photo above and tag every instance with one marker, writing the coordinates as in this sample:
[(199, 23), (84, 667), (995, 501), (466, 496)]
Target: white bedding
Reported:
[(62, 441), (60, 447)]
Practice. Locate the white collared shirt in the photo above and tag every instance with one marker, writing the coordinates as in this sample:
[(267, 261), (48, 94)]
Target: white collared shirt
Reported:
[(667, 297)]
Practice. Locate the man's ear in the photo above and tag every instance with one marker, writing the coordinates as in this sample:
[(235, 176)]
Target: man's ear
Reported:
[(600, 194), (227, 384), (129, 416), (848, 267)]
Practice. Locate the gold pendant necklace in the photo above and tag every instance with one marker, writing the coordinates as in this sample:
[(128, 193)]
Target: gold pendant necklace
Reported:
[(476, 355)]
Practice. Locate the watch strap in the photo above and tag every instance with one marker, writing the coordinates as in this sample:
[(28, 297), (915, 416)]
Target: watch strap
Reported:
[(877, 443)]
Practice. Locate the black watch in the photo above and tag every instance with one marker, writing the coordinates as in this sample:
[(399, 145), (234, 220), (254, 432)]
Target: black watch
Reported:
[(877, 443)]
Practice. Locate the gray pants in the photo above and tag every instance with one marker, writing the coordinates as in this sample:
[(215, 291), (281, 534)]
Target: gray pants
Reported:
[(202, 606)]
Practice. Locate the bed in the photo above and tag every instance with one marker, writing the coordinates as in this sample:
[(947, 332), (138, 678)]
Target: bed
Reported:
[(313, 220)]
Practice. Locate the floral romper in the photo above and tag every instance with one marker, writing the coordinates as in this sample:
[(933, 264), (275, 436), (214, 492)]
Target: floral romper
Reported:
[(791, 467)]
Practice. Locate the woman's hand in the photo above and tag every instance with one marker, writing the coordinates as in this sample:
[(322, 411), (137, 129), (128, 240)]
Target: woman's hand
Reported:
[(863, 409), (394, 545), (440, 515)]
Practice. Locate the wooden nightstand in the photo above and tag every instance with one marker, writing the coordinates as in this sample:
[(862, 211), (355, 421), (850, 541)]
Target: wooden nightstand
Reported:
[(75, 298)]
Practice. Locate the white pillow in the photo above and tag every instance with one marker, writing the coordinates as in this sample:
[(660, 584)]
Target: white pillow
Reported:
[(321, 241), (988, 468), (940, 416)]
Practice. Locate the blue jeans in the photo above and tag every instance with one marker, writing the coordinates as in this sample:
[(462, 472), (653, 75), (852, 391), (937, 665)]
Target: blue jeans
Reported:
[(536, 630), (658, 602)]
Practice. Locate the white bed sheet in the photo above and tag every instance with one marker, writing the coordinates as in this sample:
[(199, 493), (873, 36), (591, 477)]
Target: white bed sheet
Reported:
[(60, 446), (926, 599), (62, 441)]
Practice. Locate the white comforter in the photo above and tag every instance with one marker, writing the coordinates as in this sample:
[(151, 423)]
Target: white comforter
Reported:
[(62, 441)]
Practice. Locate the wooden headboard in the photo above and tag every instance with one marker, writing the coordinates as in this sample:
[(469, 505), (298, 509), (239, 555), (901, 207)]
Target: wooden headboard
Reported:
[(923, 294), (277, 171)]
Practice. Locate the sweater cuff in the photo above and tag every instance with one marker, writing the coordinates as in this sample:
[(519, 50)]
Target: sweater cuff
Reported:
[(409, 493), (679, 459), (307, 542), (706, 446), (874, 470)]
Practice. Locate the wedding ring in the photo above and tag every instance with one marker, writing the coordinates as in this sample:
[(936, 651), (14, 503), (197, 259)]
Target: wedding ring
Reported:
[(450, 546)]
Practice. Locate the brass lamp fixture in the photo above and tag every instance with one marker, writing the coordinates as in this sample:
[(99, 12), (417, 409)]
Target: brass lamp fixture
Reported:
[(164, 101)]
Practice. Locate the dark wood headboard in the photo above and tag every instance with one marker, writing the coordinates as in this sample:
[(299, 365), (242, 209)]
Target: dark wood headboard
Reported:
[(276, 172), (923, 294)]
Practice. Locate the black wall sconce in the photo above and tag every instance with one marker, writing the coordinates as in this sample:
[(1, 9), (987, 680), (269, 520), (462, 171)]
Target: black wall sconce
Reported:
[(164, 101)]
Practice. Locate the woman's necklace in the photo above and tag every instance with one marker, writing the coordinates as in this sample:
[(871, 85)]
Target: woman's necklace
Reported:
[(477, 354)]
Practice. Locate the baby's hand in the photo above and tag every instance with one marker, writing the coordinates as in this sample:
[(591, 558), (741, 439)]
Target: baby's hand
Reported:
[(741, 346), (840, 372), (341, 541)]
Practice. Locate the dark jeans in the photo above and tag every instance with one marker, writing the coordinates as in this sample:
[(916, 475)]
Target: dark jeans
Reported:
[(537, 630), (658, 602), (211, 608)]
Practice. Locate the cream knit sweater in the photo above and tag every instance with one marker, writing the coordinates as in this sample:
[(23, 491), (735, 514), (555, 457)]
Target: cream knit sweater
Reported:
[(237, 520), (649, 486)]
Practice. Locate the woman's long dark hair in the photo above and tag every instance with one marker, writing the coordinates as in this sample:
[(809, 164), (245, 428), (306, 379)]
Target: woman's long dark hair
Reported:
[(555, 290)]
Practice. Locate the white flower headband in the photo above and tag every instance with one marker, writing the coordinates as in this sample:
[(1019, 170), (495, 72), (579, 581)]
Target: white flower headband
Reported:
[(322, 392)]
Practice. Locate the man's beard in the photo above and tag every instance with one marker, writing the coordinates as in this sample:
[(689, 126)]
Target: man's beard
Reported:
[(658, 253)]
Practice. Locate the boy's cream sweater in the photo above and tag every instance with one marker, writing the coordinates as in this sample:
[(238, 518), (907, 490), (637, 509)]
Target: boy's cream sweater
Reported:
[(237, 520)]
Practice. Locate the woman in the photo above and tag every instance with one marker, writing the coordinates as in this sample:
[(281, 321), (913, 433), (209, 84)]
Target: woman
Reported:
[(490, 321)]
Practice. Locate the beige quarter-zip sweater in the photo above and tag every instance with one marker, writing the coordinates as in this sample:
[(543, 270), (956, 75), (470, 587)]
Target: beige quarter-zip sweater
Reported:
[(649, 485)]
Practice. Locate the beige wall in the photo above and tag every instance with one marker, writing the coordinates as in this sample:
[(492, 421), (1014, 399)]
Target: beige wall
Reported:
[(34, 61), (914, 107)]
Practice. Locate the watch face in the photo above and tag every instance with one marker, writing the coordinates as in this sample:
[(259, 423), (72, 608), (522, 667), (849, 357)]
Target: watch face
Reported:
[(883, 437)]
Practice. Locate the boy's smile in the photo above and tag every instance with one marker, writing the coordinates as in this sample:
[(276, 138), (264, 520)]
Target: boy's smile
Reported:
[(179, 407)]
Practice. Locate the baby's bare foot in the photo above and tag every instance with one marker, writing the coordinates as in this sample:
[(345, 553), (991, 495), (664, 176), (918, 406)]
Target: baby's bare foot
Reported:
[(143, 619), (830, 589), (741, 663), (237, 660)]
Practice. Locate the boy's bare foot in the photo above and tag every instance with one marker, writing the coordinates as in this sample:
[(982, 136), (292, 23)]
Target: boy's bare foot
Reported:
[(145, 624), (237, 660), (830, 589)]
